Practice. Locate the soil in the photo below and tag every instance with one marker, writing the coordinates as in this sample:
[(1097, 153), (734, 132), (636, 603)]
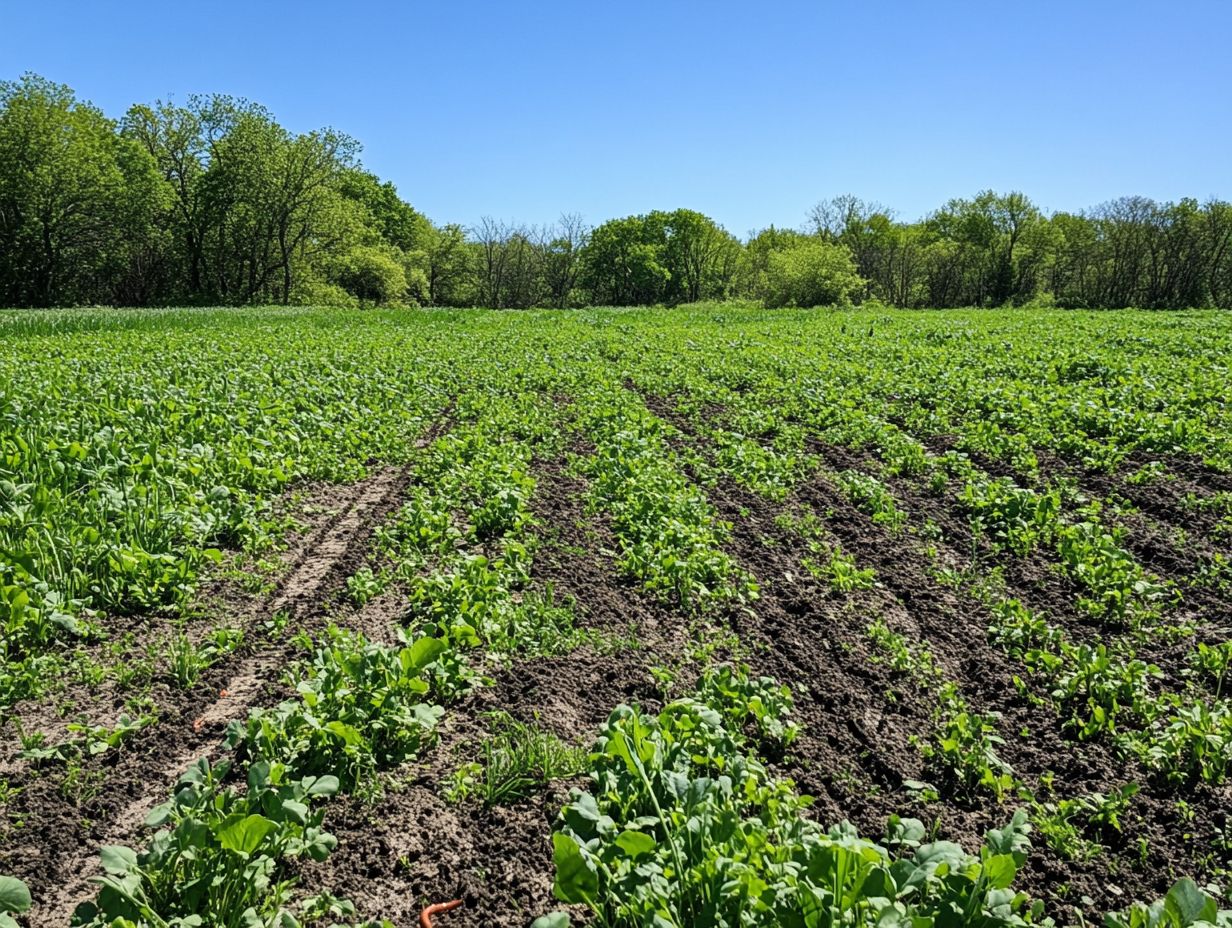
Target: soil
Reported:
[(859, 719), (56, 850), (414, 848)]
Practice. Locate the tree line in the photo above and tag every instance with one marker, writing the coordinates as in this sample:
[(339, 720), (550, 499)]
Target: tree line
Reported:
[(214, 202)]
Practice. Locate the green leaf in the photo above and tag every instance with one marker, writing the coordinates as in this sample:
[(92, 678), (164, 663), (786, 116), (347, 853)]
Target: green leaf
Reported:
[(322, 846), (118, 860), (635, 843), (349, 735), (14, 895), (1000, 870), (322, 786), (159, 814), (422, 653), (551, 920), (1187, 904), (576, 880), (243, 835), (295, 811), (879, 883)]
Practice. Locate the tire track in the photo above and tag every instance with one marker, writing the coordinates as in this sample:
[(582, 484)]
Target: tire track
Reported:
[(139, 782)]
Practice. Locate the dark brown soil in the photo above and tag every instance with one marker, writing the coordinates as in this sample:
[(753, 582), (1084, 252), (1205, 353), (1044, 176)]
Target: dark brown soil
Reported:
[(413, 848), (56, 850), (221, 598), (858, 719)]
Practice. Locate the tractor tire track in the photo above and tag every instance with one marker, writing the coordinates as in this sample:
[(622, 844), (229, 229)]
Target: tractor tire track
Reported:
[(61, 838), (57, 856)]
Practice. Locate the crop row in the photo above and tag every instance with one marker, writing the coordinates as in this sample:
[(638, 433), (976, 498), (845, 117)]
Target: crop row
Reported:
[(1178, 735), (669, 534), (684, 825), (1105, 691), (123, 472), (227, 840)]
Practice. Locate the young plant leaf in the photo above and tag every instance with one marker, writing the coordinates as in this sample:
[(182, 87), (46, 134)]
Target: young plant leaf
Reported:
[(244, 834)]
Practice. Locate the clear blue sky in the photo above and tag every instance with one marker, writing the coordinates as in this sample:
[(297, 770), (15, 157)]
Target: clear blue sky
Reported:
[(749, 112)]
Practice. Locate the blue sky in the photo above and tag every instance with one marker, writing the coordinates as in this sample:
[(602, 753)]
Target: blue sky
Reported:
[(749, 112)]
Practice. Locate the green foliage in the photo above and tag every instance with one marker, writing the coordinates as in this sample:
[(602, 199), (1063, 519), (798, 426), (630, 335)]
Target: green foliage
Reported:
[(761, 705), (675, 257), (215, 202), (517, 759), (811, 273), (1100, 687), (124, 473), (1193, 741), (361, 707), (14, 900), (186, 659), (219, 856), (840, 571), (965, 748), (871, 495), (1185, 905), (667, 529), (88, 741), (75, 196), (1212, 661), (125, 477), (684, 826), (373, 274), (1011, 516), (1066, 823), (1120, 588)]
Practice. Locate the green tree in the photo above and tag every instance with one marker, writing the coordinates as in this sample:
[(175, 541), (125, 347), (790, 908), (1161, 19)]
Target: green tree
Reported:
[(71, 193), (700, 255), (373, 274), (757, 252), (812, 272), (450, 272), (175, 138), (397, 222), (661, 257), (562, 258), (623, 263), (991, 262)]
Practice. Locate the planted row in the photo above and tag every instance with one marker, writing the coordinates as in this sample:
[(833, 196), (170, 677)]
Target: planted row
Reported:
[(669, 534), (226, 840)]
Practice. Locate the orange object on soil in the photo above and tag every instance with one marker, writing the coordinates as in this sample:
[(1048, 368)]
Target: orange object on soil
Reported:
[(425, 917)]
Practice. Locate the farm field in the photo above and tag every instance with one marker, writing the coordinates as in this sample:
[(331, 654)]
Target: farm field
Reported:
[(705, 616)]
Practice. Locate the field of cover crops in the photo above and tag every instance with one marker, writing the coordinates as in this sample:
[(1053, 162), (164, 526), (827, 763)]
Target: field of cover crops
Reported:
[(703, 617)]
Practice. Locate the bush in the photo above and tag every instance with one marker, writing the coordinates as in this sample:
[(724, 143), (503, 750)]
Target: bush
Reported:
[(372, 275), (310, 291), (812, 273)]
